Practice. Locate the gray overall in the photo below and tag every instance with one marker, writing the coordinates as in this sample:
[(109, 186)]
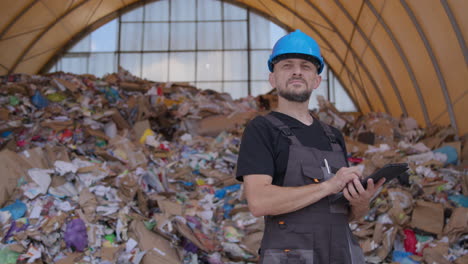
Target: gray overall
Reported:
[(318, 233)]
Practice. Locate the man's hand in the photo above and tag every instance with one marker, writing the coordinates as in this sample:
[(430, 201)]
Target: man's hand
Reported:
[(342, 177), (358, 197)]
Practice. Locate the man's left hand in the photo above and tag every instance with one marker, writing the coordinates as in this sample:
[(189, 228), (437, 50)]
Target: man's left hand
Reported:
[(359, 197)]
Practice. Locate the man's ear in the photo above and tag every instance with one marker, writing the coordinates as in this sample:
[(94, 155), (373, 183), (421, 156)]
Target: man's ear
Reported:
[(272, 80), (317, 81)]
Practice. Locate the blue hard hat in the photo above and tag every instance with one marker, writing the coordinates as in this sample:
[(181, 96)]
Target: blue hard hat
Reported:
[(296, 45)]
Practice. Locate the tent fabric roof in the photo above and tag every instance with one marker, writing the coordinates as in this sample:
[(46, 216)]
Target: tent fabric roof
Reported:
[(406, 57)]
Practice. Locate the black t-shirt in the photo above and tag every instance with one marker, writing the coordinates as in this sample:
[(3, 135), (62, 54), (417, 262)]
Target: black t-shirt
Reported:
[(264, 150)]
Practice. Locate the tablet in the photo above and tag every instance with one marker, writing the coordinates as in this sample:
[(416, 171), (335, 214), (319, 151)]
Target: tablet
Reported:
[(389, 172)]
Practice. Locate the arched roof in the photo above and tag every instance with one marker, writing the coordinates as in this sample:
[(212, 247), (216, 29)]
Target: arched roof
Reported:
[(396, 56)]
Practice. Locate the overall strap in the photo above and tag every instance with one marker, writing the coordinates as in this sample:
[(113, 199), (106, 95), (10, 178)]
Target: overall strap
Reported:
[(331, 136), (285, 130)]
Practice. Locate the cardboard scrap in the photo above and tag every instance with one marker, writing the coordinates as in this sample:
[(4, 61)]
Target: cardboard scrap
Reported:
[(428, 217), (387, 243), (36, 158), (64, 84), (368, 246), (139, 128), (158, 249), (213, 125), (128, 186), (436, 254), (119, 120), (170, 208), (72, 258), (57, 125), (13, 168), (88, 203), (4, 114), (252, 242), (462, 259), (110, 253), (186, 232), (457, 224)]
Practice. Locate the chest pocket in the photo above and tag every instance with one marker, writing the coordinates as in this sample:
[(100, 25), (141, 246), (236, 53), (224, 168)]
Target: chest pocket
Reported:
[(311, 173)]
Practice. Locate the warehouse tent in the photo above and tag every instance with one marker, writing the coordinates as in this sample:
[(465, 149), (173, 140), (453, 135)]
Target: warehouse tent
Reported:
[(406, 57)]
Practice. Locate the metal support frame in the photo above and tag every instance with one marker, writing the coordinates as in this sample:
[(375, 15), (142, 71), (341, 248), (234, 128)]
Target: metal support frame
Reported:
[(376, 54), (456, 28), (339, 58), (39, 37), (434, 61), (405, 60), (17, 17)]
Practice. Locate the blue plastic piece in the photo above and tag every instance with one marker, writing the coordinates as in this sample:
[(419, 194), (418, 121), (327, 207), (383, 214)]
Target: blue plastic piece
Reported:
[(6, 134), (17, 209), (111, 94), (461, 200), (227, 209), (451, 152), (403, 257), (189, 184), (39, 101), (222, 192), (296, 43)]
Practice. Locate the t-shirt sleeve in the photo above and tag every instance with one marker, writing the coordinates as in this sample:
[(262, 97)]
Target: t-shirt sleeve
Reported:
[(256, 154)]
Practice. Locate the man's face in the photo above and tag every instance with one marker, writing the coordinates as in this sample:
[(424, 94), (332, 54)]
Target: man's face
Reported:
[(295, 79)]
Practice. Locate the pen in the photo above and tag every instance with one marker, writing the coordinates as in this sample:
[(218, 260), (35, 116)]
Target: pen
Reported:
[(326, 165)]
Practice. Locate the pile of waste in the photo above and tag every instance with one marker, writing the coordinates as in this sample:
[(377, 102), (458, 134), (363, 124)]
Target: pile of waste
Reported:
[(124, 170), (419, 218)]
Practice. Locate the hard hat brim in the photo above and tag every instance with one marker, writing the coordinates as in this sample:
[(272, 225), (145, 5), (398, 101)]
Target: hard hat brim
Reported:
[(314, 60)]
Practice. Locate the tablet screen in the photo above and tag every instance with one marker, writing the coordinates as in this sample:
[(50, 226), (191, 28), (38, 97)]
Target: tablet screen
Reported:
[(389, 172)]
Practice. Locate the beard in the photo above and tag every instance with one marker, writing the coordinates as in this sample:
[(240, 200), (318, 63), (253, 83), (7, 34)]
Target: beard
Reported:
[(293, 96)]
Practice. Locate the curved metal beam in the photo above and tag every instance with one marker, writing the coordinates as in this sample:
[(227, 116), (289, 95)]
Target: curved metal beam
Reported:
[(39, 37), (434, 61), (13, 21), (456, 28), (3, 66), (366, 70), (348, 43), (366, 98), (405, 61), (377, 55), (87, 30)]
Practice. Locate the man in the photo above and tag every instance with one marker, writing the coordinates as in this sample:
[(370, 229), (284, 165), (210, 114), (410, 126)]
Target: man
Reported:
[(292, 166)]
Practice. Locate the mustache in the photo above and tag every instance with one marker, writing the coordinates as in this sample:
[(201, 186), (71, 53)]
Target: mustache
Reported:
[(296, 79)]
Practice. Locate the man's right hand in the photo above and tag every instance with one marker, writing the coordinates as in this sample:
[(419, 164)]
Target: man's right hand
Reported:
[(344, 175)]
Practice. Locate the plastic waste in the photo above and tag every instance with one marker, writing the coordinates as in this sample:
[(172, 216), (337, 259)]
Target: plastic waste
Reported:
[(222, 192), (14, 101), (5, 134), (56, 97), (8, 256), (461, 200), (410, 241), (16, 209), (75, 235), (451, 152), (16, 226), (403, 257), (39, 101)]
